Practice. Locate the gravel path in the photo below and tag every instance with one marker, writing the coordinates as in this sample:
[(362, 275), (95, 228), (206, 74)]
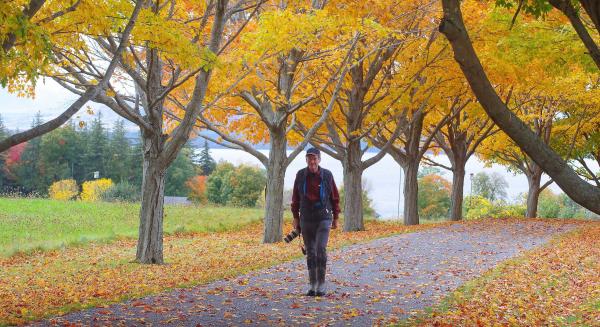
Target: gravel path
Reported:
[(370, 284)]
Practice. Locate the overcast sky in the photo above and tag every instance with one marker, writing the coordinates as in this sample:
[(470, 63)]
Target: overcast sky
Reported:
[(50, 100)]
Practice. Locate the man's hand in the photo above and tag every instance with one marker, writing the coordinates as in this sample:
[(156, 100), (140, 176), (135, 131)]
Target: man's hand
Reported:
[(296, 224), (334, 224)]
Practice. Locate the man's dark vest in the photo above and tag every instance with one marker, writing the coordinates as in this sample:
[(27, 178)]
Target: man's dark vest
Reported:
[(321, 209)]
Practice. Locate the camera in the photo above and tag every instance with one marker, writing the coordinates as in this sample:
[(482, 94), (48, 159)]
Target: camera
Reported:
[(292, 235)]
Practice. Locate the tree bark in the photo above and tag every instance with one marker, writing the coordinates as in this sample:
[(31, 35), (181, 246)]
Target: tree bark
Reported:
[(533, 194), (458, 183), (150, 241), (353, 208), (275, 177), (411, 193), (452, 26)]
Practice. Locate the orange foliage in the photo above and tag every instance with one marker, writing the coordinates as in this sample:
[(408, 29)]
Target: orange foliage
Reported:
[(197, 187)]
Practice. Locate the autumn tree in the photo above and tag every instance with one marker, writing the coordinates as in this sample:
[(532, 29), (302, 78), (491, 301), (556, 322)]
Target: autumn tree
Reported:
[(434, 196), (578, 138), (527, 60), (281, 59), (461, 134), (368, 95), (541, 114), (32, 30), (583, 15), (459, 138), (420, 119), (175, 44), (453, 27)]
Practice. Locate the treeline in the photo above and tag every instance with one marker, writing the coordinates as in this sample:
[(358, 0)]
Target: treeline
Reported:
[(84, 152), (488, 199), (74, 154)]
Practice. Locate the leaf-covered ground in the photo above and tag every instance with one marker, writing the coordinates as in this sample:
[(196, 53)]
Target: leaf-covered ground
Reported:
[(48, 283), (377, 282), (555, 285)]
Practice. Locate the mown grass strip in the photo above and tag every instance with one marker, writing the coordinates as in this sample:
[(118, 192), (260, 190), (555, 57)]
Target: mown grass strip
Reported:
[(30, 225)]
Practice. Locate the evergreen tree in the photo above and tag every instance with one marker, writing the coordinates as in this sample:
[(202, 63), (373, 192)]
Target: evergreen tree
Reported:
[(60, 155), (95, 155), (179, 172), (3, 134), (3, 130), (30, 166), (205, 161), (118, 162)]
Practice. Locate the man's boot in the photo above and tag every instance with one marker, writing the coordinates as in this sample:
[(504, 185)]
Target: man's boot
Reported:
[(312, 277), (321, 281)]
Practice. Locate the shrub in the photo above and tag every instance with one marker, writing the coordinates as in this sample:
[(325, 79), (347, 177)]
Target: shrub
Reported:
[(247, 184), (65, 189), (92, 190), (218, 188), (479, 207), (553, 205), (197, 189), (121, 192), (236, 186)]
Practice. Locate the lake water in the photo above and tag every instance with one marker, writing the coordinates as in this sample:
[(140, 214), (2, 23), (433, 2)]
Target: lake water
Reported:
[(383, 178)]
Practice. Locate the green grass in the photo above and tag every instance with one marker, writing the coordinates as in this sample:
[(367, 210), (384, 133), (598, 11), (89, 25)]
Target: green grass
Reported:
[(31, 224)]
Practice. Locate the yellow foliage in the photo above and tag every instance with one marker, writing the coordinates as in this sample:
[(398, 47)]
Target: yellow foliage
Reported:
[(64, 190), (92, 190)]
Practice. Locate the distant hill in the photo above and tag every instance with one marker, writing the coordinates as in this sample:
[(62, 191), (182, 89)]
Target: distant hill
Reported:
[(197, 142)]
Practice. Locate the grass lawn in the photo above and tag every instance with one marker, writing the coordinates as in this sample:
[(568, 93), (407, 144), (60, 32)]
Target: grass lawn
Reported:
[(216, 243), (32, 224)]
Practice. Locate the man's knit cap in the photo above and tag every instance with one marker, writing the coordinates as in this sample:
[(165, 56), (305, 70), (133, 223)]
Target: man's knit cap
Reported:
[(313, 151)]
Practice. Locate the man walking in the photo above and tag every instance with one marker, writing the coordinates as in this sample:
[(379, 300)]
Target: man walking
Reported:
[(316, 207)]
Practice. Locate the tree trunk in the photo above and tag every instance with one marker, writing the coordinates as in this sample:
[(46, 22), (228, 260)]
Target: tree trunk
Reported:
[(533, 194), (150, 240), (452, 26), (458, 183), (411, 193), (273, 228), (353, 208)]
